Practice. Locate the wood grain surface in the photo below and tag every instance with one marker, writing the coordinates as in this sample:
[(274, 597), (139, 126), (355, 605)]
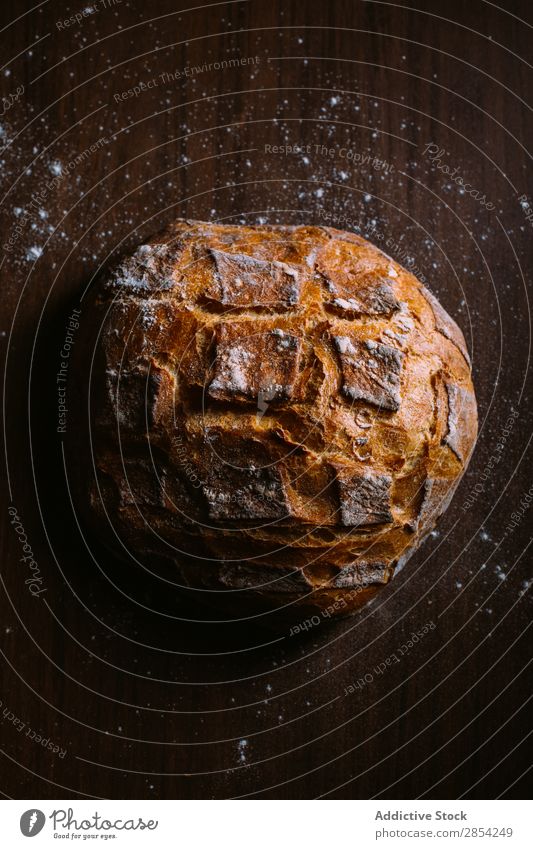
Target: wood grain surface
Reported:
[(407, 123)]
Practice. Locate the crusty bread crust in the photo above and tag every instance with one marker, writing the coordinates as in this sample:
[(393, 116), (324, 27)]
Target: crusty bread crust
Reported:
[(275, 413)]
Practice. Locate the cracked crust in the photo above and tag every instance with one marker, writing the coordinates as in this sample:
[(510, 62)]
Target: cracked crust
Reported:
[(280, 413), (370, 371)]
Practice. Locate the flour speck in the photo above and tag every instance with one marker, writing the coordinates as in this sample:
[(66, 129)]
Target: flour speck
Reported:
[(242, 750)]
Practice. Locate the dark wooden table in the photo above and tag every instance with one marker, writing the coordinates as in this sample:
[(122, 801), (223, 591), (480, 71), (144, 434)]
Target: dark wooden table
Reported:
[(107, 690)]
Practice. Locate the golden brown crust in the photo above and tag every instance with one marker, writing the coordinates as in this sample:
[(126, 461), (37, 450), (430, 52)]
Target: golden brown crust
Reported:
[(283, 411)]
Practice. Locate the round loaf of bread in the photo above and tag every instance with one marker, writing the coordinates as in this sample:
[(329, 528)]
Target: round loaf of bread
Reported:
[(274, 416)]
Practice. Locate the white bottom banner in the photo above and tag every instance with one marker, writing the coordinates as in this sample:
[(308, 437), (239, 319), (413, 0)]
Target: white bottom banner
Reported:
[(268, 824)]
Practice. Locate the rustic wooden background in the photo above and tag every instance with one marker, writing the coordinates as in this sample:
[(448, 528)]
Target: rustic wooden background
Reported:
[(140, 701)]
